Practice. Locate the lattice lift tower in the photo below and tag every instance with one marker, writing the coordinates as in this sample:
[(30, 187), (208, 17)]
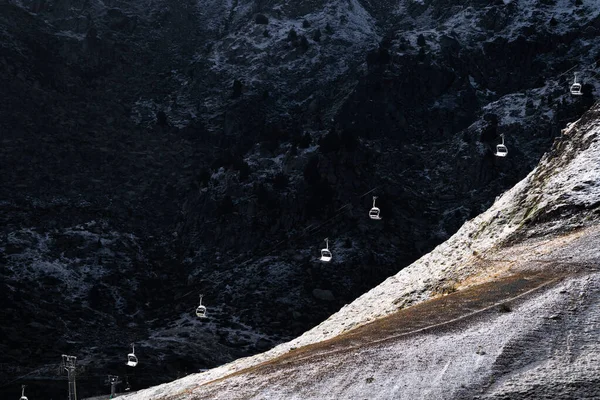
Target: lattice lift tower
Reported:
[(113, 381), (69, 363)]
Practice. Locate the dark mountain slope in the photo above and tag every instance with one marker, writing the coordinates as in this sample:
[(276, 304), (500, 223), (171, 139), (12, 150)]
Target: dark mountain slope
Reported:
[(154, 150)]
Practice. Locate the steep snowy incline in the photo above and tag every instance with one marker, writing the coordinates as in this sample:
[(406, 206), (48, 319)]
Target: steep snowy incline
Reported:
[(547, 222), (512, 336)]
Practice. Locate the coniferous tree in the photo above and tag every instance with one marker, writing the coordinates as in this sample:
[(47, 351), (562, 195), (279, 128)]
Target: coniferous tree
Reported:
[(303, 43), (161, 119), (292, 35), (237, 88), (317, 35), (311, 170), (226, 206), (305, 141)]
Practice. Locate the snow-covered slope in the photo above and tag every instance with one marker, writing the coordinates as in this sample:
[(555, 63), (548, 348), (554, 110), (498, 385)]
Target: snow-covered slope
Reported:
[(544, 228)]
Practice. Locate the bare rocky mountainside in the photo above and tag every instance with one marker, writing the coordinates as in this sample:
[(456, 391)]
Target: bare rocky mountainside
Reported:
[(154, 150)]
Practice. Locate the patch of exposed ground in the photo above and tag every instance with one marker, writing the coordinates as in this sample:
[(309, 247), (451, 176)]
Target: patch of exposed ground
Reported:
[(440, 334), (436, 315)]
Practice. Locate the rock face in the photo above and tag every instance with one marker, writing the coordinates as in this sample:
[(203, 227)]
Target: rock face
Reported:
[(155, 150), (506, 308)]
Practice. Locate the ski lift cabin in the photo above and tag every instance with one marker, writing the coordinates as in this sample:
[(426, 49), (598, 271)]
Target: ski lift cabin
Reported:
[(576, 87), (501, 150), (201, 310), (132, 360), (374, 212), (326, 255)]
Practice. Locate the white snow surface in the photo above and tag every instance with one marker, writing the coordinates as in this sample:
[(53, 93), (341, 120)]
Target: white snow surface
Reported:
[(453, 265), (443, 366)]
